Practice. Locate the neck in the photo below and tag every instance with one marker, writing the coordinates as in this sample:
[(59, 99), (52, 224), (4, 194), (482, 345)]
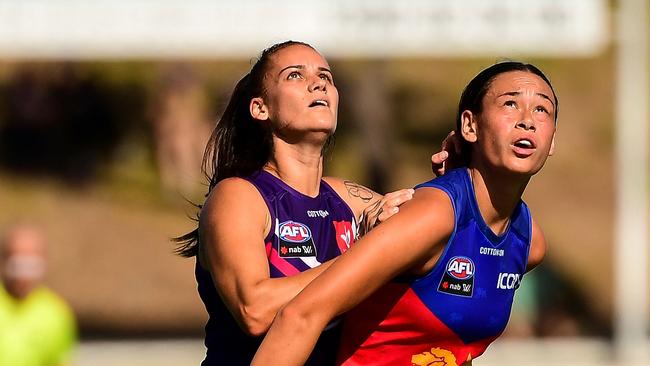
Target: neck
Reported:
[(497, 195), (298, 165)]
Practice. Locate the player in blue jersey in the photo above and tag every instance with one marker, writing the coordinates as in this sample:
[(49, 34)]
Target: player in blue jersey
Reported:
[(270, 223), (439, 276)]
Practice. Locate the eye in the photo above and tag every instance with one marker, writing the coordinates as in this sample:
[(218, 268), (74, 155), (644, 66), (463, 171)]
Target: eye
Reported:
[(542, 109), (510, 103), (326, 77), (294, 75)]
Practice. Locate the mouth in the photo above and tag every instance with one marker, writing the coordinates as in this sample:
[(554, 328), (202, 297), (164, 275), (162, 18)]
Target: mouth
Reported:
[(524, 144), (524, 147), (319, 103)]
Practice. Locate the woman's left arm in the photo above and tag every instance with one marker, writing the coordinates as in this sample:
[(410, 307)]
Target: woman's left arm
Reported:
[(405, 241), (537, 247)]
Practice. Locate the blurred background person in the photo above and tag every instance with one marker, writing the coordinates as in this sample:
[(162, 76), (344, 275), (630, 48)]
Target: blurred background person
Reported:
[(37, 327)]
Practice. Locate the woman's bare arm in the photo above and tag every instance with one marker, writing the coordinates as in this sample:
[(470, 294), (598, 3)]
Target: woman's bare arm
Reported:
[(234, 223), (405, 241)]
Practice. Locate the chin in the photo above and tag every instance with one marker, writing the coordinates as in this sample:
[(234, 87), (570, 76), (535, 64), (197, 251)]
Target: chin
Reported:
[(325, 126), (525, 168), (326, 122)]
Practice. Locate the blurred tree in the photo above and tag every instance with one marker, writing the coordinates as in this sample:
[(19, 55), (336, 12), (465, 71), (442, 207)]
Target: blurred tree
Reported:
[(181, 128), (56, 122), (371, 112)]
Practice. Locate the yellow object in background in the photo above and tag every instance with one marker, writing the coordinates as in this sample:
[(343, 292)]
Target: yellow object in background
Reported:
[(38, 330)]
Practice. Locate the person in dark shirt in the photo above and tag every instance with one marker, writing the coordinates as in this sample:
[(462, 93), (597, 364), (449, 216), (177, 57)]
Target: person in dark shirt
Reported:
[(271, 223)]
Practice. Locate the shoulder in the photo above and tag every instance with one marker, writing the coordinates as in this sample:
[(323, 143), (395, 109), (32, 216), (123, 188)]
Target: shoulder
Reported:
[(232, 186), (448, 182), (50, 304), (232, 192), (433, 198), (432, 208), (233, 207), (349, 190), (454, 185), (355, 195), (233, 197)]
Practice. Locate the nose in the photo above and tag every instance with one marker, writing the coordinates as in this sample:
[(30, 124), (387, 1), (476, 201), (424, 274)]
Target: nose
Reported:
[(318, 85), (527, 123)]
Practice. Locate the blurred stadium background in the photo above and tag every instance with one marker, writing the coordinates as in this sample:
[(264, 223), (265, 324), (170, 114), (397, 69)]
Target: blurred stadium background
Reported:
[(105, 108)]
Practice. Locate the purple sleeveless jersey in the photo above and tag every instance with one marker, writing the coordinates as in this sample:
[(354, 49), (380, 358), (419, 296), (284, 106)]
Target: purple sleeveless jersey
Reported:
[(305, 232)]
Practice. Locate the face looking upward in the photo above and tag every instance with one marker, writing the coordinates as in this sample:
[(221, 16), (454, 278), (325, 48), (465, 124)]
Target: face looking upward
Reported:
[(300, 95), (516, 127)]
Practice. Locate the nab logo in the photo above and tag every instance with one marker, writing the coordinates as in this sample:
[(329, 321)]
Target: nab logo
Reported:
[(461, 268), (294, 232)]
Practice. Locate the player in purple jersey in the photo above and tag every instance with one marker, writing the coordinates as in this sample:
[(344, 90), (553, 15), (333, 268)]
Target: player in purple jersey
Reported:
[(270, 222), (432, 247)]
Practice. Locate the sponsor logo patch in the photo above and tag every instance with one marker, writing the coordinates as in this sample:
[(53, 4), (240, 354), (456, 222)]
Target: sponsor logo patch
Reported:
[(295, 240), (344, 234), (459, 277), (461, 268), (508, 281)]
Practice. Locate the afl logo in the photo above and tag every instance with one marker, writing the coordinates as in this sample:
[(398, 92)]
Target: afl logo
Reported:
[(461, 268), (294, 232)]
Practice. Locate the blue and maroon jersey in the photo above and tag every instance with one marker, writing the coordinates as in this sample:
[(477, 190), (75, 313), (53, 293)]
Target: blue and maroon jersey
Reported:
[(305, 232), (456, 310)]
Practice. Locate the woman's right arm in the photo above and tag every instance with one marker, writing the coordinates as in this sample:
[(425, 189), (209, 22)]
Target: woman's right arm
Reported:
[(410, 240), (233, 224)]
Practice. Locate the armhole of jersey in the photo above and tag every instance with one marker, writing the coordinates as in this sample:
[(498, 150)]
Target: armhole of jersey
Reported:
[(268, 207), (451, 237), (344, 203), (530, 235), (199, 260)]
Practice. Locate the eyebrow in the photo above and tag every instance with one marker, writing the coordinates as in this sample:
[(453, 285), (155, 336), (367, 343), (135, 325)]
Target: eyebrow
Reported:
[(514, 94), (301, 67)]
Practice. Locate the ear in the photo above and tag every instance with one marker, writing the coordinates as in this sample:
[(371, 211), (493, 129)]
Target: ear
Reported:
[(258, 109), (468, 126), (551, 151)]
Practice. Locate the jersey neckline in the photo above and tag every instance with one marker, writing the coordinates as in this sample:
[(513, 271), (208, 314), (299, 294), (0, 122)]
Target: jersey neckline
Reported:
[(294, 192), (494, 239)]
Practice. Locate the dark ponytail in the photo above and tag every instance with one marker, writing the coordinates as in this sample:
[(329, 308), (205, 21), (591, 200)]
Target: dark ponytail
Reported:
[(239, 144)]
